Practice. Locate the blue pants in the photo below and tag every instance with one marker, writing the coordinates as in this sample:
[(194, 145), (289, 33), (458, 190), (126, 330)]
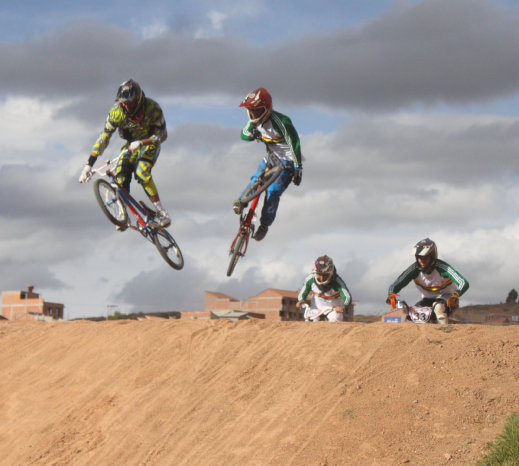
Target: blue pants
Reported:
[(274, 191)]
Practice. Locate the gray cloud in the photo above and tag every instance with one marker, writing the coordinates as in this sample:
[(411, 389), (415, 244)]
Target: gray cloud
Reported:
[(426, 53), (373, 185)]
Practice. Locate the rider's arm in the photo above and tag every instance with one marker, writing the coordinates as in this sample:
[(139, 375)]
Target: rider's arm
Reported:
[(284, 126), (111, 124), (247, 132), (344, 293), (305, 289), (157, 126), (403, 280), (446, 270)]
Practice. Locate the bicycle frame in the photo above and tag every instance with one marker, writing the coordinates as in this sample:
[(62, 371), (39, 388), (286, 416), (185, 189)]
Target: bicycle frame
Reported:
[(115, 202), (246, 225), (240, 243), (144, 223)]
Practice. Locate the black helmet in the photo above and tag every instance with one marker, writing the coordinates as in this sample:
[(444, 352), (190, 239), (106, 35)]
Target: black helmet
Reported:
[(130, 98), (425, 248)]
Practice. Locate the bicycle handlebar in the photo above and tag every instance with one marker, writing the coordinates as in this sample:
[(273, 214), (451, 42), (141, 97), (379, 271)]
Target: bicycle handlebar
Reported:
[(108, 163)]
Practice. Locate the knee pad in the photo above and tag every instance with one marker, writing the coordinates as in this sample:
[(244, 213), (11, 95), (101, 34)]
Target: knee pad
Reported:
[(143, 171), (440, 310)]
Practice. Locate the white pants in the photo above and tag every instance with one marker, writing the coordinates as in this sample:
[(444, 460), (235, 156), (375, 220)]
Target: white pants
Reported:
[(333, 316)]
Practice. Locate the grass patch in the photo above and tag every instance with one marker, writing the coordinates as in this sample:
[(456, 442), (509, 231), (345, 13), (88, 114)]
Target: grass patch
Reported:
[(446, 328), (347, 413), (505, 450)]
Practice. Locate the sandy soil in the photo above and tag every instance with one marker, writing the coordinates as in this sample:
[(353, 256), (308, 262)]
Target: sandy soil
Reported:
[(253, 392)]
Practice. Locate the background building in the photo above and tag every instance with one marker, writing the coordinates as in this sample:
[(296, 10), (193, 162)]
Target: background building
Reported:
[(270, 304), (27, 305)]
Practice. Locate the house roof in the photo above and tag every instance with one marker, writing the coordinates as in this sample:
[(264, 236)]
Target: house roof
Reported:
[(217, 295), (277, 292)]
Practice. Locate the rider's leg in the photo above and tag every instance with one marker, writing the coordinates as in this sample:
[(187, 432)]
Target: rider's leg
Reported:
[(123, 171), (273, 195), (440, 309), (144, 177), (237, 205), (335, 316)]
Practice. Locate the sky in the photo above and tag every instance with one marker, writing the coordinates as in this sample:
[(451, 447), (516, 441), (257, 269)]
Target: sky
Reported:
[(409, 123)]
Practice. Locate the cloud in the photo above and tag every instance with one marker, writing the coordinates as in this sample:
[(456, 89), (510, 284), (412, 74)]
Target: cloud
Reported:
[(372, 186), (428, 53), (370, 191)]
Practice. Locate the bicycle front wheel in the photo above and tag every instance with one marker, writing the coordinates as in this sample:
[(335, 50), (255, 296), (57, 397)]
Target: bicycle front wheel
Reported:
[(262, 182), (110, 203), (168, 249), (236, 253)]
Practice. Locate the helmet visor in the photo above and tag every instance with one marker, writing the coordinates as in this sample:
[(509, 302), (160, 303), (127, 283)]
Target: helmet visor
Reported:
[(129, 106), (256, 114)]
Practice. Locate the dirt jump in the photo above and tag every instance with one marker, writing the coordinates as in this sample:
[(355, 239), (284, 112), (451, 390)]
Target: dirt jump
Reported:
[(217, 392)]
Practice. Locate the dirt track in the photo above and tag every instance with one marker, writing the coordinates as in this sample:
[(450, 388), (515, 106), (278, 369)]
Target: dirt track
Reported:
[(252, 392)]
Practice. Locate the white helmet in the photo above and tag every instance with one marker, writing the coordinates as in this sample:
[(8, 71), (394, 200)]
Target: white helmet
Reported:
[(424, 248)]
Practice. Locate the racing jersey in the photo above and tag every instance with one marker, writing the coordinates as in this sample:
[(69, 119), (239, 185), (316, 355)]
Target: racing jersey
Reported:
[(151, 126), (279, 132), (443, 280), (336, 295)]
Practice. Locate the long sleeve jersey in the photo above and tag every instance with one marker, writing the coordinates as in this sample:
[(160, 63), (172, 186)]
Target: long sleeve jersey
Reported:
[(151, 126), (337, 295), (279, 132), (443, 280)]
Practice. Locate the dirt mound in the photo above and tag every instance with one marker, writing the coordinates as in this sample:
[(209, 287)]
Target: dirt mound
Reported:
[(253, 392)]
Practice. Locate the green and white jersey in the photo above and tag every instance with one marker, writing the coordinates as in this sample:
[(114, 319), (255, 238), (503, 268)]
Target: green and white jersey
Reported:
[(279, 132), (151, 126), (337, 295), (443, 280)]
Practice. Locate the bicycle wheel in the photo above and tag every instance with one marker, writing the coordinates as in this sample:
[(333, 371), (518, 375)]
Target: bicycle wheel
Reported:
[(262, 182), (110, 204), (168, 249), (236, 253)]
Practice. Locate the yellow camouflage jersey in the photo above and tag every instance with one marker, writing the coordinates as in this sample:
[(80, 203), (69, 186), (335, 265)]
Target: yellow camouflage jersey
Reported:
[(151, 126)]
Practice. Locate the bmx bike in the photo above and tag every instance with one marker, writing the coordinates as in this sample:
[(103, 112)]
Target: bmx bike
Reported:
[(115, 202), (315, 315), (417, 314), (266, 177)]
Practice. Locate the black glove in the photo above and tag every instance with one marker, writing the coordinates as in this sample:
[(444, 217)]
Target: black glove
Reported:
[(297, 176), (256, 134)]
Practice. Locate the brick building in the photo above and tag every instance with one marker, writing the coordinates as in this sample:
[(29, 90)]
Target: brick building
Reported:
[(270, 304), (27, 305)]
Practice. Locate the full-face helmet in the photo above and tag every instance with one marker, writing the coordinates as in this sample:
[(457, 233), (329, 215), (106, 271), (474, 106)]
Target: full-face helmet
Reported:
[(426, 248), (131, 99), (258, 104), (324, 270)]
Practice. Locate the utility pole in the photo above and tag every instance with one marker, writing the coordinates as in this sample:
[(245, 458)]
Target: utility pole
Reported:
[(110, 308)]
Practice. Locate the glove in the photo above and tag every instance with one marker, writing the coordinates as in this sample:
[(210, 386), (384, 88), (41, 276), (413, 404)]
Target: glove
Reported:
[(391, 300), (85, 174), (135, 145), (297, 176), (453, 301), (256, 134)]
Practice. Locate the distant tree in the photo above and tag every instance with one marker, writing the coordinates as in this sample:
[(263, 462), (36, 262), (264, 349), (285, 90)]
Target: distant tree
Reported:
[(512, 296)]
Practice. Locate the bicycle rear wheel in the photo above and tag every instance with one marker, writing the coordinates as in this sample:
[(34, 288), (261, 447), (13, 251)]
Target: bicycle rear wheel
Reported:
[(110, 204), (236, 253), (262, 182), (168, 249)]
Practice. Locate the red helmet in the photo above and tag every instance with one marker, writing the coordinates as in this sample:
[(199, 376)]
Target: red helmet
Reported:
[(324, 270), (131, 99), (258, 104)]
